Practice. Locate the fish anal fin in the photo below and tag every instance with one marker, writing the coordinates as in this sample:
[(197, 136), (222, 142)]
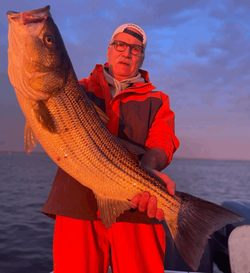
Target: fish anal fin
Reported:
[(110, 209), (30, 140), (45, 118)]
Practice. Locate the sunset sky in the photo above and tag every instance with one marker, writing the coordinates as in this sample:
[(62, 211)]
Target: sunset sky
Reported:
[(198, 53)]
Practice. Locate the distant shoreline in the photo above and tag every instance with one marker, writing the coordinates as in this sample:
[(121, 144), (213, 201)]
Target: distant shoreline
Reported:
[(21, 152), (174, 157), (213, 159)]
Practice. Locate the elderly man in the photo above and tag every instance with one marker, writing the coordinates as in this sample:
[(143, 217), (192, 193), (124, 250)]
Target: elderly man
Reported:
[(142, 117)]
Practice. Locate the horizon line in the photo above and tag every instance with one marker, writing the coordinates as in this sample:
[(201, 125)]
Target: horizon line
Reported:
[(174, 157)]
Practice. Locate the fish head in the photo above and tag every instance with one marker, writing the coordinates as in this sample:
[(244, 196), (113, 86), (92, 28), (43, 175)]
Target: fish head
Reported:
[(38, 60)]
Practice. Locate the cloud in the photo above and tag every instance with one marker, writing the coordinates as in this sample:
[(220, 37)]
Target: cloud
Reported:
[(218, 85), (216, 142), (3, 58), (198, 53), (241, 105)]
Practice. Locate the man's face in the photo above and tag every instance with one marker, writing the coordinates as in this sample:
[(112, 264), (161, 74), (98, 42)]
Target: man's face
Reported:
[(124, 65)]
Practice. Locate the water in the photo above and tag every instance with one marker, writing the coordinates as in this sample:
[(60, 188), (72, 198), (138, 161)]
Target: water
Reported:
[(211, 180), (26, 235)]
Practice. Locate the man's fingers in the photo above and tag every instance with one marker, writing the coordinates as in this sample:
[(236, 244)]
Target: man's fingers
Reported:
[(148, 203), (159, 214), (152, 209), (152, 206), (170, 185), (136, 199), (168, 181), (143, 202), (171, 188)]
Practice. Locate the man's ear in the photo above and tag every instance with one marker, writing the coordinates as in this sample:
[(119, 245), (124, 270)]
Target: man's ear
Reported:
[(108, 52)]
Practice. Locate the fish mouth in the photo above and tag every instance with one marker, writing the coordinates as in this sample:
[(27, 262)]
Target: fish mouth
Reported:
[(33, 16)]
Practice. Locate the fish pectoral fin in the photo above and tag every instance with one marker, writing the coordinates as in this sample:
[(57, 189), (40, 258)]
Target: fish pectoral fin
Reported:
[(110, 209), (30, 140), (45, 118)]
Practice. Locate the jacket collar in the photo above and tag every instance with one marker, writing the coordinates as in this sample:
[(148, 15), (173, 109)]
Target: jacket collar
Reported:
[(97, 73)]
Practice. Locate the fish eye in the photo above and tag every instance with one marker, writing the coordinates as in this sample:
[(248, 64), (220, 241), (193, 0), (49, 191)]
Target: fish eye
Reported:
[(48, 39)]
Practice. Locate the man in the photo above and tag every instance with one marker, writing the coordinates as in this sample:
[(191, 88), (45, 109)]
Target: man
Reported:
[(142, 117)]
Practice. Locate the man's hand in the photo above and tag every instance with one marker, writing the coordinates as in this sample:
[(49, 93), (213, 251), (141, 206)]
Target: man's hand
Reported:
[(146, 202)]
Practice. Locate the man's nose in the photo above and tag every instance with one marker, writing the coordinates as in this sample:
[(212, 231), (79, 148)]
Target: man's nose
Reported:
[(126, 52)]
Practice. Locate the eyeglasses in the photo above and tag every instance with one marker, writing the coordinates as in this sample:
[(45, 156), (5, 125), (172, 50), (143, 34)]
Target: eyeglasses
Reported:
[(120, 46)]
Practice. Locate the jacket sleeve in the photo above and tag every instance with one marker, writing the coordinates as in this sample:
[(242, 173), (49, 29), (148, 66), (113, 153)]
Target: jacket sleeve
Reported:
[(162, 131), (84, 83)]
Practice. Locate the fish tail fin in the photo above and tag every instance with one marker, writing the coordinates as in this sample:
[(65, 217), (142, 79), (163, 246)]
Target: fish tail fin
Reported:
[(196, 220)]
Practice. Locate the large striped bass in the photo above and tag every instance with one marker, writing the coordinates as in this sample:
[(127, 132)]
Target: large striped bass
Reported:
[(61, 117)]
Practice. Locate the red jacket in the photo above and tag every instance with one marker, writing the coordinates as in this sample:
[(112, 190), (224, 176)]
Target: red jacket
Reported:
[(137, 114)]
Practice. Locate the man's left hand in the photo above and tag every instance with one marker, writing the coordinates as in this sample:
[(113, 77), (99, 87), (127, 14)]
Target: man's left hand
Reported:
[(148, 202)]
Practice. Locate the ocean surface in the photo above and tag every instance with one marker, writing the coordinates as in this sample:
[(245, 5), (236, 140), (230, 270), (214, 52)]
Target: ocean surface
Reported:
[(26, 235)]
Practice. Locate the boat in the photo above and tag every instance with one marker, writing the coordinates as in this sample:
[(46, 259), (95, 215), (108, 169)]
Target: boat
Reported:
[(220, 238), (216, 250)]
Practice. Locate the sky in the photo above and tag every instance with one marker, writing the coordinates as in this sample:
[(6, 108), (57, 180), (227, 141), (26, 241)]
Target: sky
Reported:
[(198, 53)]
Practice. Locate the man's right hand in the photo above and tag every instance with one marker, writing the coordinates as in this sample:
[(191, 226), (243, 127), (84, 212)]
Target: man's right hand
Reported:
[(147, 202)]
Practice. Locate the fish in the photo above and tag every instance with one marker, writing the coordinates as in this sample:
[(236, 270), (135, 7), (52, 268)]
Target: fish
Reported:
[(73, 132)]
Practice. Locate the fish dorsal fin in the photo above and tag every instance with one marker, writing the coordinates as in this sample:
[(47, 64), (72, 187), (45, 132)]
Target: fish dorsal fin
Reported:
[(133, 149), (101, 114), (30, 140), (110, 209), (45, 118)]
